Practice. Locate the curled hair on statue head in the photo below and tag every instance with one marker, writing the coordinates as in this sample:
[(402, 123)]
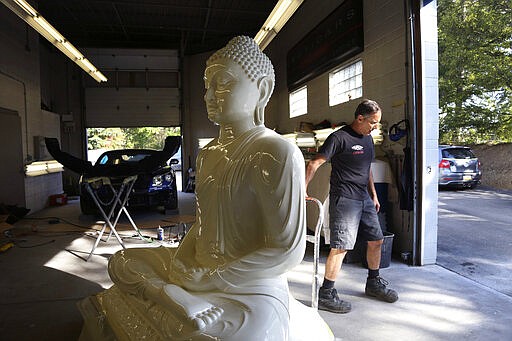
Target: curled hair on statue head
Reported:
[(366, 108), (257, 66)]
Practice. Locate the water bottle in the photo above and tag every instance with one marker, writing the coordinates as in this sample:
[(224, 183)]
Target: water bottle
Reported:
[(160, 233)]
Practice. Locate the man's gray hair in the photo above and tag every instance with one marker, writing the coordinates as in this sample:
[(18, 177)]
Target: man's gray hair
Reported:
[(366, 108)]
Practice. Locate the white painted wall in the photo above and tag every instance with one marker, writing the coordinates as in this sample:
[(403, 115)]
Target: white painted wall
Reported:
[(20, 92), (430, 127)]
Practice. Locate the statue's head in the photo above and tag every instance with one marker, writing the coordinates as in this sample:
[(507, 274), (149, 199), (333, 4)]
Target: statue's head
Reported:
[(239, 80)]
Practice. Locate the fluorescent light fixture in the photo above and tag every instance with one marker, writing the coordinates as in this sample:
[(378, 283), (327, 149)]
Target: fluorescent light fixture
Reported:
[(89, 65), (54, 166), (43, 167), (276, 20), (49, 29), (26, 7), (36, 168), (100, 76), (68, 46), (26, 12)]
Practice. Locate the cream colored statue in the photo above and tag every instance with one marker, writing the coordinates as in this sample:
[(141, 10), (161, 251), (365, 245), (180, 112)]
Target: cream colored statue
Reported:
[(226, 280)]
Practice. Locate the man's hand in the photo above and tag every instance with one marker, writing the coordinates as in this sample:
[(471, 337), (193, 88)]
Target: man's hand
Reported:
[(311, 169), (376, 203)]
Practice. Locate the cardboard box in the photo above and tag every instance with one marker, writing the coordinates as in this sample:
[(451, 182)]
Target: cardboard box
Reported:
[(58, 199)]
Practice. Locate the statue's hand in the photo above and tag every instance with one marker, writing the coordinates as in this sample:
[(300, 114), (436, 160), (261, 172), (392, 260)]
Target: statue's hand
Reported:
[(198, 279)]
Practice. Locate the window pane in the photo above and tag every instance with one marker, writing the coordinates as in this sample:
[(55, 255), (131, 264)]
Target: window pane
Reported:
[(346, 83), (299, 102)]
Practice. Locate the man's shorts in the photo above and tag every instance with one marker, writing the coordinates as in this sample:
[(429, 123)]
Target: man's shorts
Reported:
[(347, 217)]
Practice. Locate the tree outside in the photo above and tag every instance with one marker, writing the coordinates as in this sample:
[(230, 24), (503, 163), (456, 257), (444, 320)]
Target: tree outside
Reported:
[(475, 78), (123, 138)]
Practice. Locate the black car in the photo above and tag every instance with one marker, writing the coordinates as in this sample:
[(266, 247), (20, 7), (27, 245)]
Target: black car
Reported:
[(458, 167), (155, 189)]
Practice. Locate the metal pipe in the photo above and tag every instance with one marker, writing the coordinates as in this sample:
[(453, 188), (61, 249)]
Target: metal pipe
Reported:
[(416, 157)]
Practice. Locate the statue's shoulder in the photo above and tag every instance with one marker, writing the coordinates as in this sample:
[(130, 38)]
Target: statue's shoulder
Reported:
[(272, 142)]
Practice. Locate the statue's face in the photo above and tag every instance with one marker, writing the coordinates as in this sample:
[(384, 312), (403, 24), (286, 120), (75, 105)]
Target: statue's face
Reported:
[(230, 95)]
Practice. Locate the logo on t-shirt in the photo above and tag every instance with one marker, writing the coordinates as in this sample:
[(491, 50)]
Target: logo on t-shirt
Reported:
[(357, 149)]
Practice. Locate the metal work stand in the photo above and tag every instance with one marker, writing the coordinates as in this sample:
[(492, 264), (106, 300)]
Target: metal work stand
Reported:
[(121, 196), (315, 239)]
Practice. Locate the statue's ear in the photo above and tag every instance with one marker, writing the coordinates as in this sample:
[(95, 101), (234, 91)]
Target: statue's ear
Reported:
[(265, 86)]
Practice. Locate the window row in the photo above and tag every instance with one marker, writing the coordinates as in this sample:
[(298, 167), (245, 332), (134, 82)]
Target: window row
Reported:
[(345, 84)]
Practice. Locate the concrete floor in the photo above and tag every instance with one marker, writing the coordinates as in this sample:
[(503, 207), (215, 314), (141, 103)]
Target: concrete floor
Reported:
[(45, 275)]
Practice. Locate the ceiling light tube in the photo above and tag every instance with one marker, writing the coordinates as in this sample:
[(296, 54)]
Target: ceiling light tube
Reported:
[(276, 14), (260, 36), (87, 64), (26, 7), (101, 76), (95, 76), (72, 50), (49, 29), (26, 12), (275, 21)]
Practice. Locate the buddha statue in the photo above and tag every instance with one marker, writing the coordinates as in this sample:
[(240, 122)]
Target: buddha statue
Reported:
[(227, 278)]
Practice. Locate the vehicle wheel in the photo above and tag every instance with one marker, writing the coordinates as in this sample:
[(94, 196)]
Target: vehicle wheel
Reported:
[(172, 205), (87, 207)]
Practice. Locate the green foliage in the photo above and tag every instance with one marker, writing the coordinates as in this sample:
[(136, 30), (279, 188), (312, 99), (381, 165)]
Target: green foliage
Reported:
[(121, 138), (475, 78), (148, 137), (105, 138)]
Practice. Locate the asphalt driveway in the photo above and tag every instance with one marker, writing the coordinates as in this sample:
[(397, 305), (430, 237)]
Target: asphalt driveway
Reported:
[(475, 236)]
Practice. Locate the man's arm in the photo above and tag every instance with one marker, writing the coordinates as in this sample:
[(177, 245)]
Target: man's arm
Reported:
[(312, 167), (373, 192)]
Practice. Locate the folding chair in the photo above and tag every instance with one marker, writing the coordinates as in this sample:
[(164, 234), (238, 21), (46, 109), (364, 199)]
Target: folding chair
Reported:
[(315, 239), (120, 199)]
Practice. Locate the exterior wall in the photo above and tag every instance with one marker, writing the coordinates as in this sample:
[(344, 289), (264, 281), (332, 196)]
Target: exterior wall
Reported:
[(430, 127)]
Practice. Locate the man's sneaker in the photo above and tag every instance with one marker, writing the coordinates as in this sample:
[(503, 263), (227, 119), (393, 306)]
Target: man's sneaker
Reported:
[(376, 287), (328, 300)]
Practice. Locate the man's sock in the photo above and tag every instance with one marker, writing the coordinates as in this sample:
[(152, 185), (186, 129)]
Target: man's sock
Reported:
[(327, 284), (373, 273)]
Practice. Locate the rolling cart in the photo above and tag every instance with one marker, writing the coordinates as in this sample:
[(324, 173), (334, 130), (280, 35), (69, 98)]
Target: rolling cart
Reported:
[(315, 239)]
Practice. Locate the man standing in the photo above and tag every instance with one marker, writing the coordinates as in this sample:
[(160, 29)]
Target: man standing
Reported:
[(353, 204)]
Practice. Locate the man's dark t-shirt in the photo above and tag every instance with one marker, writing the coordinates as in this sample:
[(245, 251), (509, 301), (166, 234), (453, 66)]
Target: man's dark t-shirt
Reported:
[(351, 155)]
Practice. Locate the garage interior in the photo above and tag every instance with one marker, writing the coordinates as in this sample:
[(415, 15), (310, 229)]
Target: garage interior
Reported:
[(153, 55)]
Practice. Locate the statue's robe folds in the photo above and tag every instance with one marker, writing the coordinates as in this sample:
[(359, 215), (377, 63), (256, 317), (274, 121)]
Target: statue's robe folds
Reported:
[(249, 232)]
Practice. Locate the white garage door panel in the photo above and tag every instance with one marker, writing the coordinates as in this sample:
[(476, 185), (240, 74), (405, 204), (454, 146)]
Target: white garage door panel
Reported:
[(132, 107)]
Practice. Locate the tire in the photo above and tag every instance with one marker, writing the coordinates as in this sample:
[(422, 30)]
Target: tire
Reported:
[(87, 207)]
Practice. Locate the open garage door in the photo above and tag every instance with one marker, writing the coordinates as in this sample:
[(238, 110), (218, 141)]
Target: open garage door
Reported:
[(132, 107)]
